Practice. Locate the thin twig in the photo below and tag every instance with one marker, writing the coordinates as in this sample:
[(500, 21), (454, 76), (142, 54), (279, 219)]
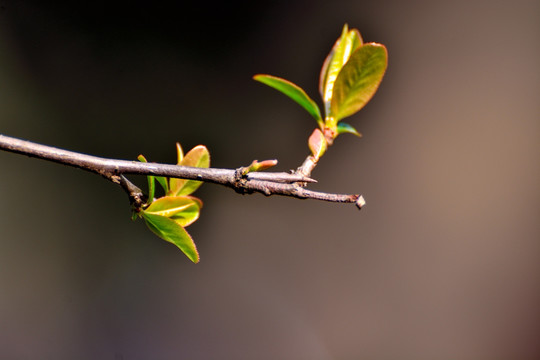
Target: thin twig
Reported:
[(307, 166), (268, 183)]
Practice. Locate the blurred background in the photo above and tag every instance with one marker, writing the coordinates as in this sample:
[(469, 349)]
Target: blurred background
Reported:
[(442, 263)]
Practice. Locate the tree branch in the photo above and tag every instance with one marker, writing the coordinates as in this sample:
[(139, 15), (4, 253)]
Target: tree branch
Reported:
[(267, 183)]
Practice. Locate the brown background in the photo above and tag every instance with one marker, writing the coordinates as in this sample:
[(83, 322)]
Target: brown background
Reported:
[(443, 263)]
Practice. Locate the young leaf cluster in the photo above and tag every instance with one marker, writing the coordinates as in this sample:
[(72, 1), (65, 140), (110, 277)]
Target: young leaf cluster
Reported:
[(350, 76), (168, 215)]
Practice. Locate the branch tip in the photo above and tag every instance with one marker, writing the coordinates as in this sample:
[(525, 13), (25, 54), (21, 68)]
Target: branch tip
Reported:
[(360, 202)]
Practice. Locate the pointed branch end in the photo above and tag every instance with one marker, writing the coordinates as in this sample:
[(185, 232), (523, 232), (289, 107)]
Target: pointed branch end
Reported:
[(136, 196), (307, 179), (360, 202)]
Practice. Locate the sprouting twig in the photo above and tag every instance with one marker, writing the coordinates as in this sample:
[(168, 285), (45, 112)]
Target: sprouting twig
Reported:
[(267, 183)]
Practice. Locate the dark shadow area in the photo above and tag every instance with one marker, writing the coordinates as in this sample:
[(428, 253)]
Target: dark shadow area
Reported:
[(443, 262)]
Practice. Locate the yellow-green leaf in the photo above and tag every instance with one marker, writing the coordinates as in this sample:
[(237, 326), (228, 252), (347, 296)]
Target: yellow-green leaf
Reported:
[(179, 153), (257, 165), (359, 79), (170, 231), (196, 157), (293, 91), (184, 210), (187, 216), (348, 42)]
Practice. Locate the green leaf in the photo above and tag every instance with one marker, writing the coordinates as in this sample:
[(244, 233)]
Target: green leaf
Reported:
[(293, 91), (346, 128), (196, 157), (358, 80), (170, 231), (184, 210), (151, 182), (163, 182), (348, 42)]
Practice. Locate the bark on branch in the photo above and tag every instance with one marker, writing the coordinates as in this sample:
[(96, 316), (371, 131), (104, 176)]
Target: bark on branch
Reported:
[(267, 183)]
